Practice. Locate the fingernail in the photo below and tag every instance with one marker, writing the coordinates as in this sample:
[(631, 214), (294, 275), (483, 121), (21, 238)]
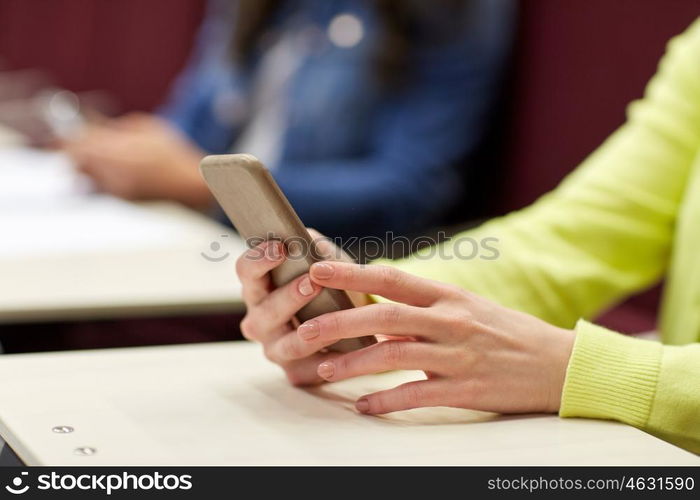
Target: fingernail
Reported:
[(305, 287), (309, 330), (273, 251), (362, 405), (322, 271), (326, 369)]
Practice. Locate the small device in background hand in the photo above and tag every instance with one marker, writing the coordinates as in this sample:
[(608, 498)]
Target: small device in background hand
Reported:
[(259, 210), (47, 116)]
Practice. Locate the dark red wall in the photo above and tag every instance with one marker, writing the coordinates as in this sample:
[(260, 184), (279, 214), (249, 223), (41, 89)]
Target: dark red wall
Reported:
[(132, 48), (578, 64)]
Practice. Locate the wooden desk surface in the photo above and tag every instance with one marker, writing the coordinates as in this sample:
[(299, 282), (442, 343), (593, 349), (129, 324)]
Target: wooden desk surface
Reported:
[(222, 403)]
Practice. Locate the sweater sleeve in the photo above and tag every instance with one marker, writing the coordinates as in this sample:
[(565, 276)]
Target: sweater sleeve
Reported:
[(604, 233), (607, 230), (639, 382)]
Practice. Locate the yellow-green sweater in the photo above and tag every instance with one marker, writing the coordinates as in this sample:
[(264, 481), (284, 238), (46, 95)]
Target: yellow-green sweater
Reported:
[(628, 216)]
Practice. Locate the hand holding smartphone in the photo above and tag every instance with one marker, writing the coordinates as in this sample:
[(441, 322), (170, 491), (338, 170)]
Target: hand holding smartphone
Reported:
[(258, 209)]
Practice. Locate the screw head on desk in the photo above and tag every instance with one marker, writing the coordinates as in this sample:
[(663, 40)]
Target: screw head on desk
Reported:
[(63, 429), (85, 451)]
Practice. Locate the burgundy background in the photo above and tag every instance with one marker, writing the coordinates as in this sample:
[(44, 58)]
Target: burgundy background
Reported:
[(132, 48), (578, 64)]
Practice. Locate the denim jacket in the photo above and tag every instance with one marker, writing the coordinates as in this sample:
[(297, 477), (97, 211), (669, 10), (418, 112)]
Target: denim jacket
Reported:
[(359, 157)]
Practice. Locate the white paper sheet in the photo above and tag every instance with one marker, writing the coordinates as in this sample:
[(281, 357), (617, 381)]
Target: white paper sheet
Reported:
[(35, 177), (47, 208), (77, 226)]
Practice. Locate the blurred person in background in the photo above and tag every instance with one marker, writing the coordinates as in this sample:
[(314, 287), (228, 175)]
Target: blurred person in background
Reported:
[(364, 111)]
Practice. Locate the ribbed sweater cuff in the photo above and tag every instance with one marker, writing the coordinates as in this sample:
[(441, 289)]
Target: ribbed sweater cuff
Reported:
[(610, 376)]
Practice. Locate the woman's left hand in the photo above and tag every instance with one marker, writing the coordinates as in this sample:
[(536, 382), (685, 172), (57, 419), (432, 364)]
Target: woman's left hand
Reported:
[(476, 354)]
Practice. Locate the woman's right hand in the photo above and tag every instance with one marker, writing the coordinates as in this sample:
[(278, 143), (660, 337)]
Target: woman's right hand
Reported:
[(270, 312), (141, 157)]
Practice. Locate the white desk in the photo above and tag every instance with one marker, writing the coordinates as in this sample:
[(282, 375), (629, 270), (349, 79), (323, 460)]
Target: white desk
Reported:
[(221, 403), (66, 254), (9, 138)]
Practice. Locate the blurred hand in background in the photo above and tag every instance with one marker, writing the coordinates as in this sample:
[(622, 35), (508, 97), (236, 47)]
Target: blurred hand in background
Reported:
[(140, 156)]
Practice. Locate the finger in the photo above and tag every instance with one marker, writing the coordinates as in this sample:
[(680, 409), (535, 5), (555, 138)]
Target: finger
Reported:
[(381, 357), (253, 267), (94, 134), (303, 372), (418, 394), (77, 150), (92, 148), (386, 281), (134, 120), (277, 309), (382, 319), (99, 171), (328, 250), (289, 346), (94, 116)]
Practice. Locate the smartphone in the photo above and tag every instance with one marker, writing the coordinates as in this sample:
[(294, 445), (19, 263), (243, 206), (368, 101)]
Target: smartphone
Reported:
[(259, 211)]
